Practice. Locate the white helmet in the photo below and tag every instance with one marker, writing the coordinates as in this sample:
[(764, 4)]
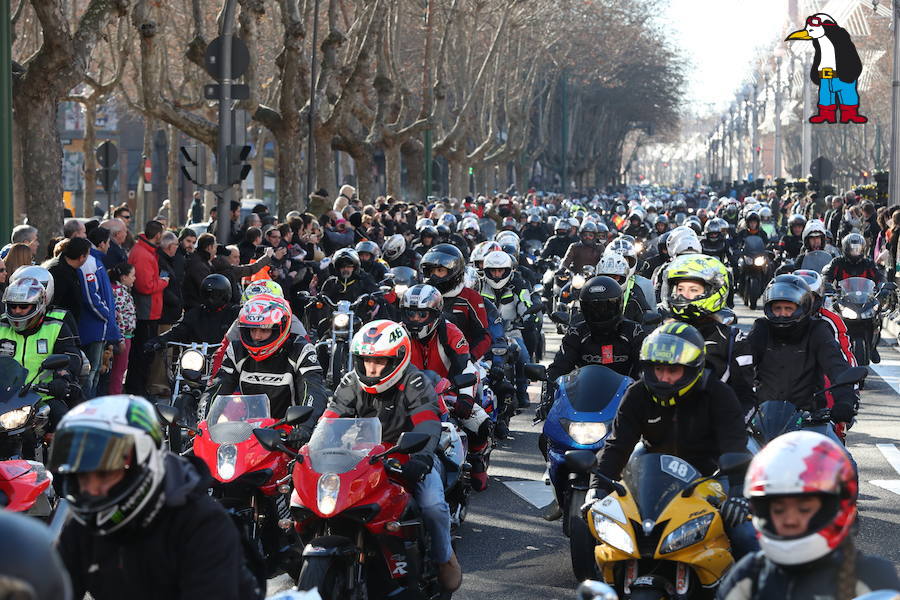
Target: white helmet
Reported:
[(625, 248), (25, 291), (394, 246), (39, 273), (498, 260), (814, 227), (481, 250), (614, 265), (469, 223), (683, 240)]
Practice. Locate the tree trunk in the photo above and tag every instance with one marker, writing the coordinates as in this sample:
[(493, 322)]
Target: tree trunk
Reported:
[(259, 164), (459, 178), (141, 213), (365, 177), (520, 169), (42, 169), (289, 173), (413, 156), (172, 179), (392, 169), (325, 177), (90, 159), (19, 210)]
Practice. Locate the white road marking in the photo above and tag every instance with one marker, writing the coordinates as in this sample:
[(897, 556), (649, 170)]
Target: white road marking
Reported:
[(892, 455), (889, 371), (533, 492)]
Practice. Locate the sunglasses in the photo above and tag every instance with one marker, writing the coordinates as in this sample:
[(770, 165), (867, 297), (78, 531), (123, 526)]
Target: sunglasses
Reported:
[(414, 314), (817, 22), (126, 217), (16, 306)]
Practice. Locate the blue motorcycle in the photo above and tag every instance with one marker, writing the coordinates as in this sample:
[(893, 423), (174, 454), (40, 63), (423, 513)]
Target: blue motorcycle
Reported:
[(584, 406)]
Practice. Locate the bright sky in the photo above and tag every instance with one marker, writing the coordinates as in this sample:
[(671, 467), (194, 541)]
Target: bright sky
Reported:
[(721, 38)]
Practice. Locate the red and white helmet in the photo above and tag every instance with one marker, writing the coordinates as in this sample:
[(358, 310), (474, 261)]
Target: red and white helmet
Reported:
[(265, 311), (802, 463), (385, 339)]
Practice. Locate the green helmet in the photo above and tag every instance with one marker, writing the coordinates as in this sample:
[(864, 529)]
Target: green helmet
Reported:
[(261, 286), (706, 270), (673, 343)]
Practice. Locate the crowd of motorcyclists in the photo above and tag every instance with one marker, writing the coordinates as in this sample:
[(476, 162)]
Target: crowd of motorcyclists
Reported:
[(426, 317)]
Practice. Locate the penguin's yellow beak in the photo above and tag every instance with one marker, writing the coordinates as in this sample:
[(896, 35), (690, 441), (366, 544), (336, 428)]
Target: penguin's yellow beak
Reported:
[(800, 34)]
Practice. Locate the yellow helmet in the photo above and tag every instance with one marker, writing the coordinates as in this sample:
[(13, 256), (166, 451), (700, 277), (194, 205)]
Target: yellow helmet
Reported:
[(706, 270)]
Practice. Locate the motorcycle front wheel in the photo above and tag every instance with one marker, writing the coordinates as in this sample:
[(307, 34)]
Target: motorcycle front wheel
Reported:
[(752, 292), (328, 575), (581, 542)]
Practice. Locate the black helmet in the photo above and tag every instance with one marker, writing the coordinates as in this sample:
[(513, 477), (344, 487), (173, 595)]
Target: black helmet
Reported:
[(368, 247), (796, 220), (602, 303), (588, 227), (32, 568), (215, 292), (713, 230), (404, 278), (854, 247), (661, 247), (752, 216), (443, 234), (788, 288), (602, 232), (428, 231), (449, 257), (673, 343), (663, 220), (345, 257)]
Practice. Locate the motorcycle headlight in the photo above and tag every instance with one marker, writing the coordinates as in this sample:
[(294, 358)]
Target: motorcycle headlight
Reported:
[(191, 360), (690, 533), (341, 321), (611, 532), (15, 418), (226, 459), (586, 433), (638, 247), (327, 494), (400, 290), (849, 313), (578, 282), (759, 261)]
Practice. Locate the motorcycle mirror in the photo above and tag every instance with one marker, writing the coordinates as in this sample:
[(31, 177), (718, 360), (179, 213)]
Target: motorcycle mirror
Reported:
[(192, 375), (560, 317), (298, 414), (535, 372), (54, 362), (270, 439), (411, 442), (733, 462), (595, 590), (652, 318), (464, 380), (168, 414), (580, 461), (850, 376)]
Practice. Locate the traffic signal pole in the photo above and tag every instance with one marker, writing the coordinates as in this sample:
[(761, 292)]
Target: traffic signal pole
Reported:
[(6, 172), (223, 212)]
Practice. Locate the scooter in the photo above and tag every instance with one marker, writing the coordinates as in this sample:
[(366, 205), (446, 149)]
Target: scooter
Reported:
[(584, 406), (250, 481), (659, 532), (365, 536)]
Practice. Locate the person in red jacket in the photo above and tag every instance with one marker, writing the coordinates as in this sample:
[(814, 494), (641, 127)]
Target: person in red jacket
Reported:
[(444, 267), (439, 346), (148, 288)]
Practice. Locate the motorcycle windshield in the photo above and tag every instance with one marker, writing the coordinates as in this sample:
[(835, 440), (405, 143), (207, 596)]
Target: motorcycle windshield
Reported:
[(654, 479), (338, 445), (753, 245), (12, 378), (592, 387), (816, 261), (856, 290), (488, 228), (231, 419), (774, 418)]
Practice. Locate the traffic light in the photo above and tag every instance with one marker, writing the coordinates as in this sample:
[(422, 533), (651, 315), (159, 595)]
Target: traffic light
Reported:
[(238, 169), (191, 158)]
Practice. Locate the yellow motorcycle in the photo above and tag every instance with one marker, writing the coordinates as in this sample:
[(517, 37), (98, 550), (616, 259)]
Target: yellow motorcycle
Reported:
[(660, 535)]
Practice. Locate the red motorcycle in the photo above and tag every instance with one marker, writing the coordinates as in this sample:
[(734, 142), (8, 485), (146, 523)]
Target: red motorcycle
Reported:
[(365, 537), (25, 487), (251, 482)]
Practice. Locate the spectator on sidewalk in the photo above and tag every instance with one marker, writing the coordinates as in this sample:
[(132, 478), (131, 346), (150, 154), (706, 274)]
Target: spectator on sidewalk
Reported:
[(73, 228), (22, 234), (171, 264), (19, 255), (118, 233), (148, 301), (122, 277), (67, 292), (97, 325), (228, 263)]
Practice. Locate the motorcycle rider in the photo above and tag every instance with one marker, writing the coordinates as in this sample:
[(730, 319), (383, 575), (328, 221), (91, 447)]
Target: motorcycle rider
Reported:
[(602, 336), (271, 359), (636, 227), (348, 281), (440, 346), (695, 291), (815, 237), (660, 258), (792, 242), (714, 241), (614, 266), (675, 388), (397, 254), (535, 229), (584, 252), (205, 323), (661, 226), (144, 526), (513, 300), (428, 237), (30, 332), (444, 268), (385, 384), (803, 494), (853, 263), (369, 254), (793, 352)]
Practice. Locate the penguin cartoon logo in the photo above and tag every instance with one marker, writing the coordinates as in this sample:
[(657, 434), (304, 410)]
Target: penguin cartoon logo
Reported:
[(836, 68)]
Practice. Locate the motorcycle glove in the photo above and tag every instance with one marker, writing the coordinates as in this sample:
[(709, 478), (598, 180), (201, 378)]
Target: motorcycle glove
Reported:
[(417, 468), (462, 408), (841, 413), (735, 510), (297, 437)]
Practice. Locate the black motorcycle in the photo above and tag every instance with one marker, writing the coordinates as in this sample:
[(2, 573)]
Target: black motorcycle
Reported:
[(860, 304), (754, 267)]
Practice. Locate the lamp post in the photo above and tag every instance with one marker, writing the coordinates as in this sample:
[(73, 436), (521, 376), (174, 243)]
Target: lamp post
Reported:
[(894, 176)]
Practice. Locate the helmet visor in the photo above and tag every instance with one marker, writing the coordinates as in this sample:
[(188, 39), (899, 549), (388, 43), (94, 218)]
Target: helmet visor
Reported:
[(669, 349), (87, 449)]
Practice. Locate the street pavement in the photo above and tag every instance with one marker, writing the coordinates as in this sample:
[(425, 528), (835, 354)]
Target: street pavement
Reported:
[(509, 552)]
